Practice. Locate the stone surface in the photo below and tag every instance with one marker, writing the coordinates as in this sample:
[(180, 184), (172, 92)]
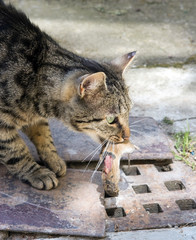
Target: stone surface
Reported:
[(184, 233), (20, 236), (162, 31), (164, 92), (74, 208)]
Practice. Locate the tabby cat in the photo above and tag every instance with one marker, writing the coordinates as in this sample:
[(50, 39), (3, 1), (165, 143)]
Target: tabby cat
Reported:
[(40, 80)]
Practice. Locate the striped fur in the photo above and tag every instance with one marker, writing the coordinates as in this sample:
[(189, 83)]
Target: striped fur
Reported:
[(40, 80)]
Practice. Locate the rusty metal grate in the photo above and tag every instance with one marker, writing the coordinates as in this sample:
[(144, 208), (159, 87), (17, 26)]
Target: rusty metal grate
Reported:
[(153, 197)]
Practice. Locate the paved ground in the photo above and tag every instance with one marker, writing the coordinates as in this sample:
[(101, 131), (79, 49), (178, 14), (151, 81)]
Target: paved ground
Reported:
[(162, 79), (159, 234), (186, 233)]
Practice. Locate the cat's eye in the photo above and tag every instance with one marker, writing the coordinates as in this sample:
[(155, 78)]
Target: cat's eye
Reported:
[(110, 119)]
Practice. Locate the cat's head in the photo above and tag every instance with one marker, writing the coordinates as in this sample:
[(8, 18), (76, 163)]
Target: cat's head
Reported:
[(101, 107)]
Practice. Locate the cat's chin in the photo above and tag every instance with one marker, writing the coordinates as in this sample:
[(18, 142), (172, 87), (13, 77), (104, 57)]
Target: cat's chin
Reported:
[(124, 147), (127, 147)]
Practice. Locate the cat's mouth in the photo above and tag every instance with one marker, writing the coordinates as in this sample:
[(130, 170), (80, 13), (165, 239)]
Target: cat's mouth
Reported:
[(108, 162), (112, 151)]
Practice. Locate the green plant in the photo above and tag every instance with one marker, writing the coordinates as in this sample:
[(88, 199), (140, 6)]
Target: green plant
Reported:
[(185, 148)]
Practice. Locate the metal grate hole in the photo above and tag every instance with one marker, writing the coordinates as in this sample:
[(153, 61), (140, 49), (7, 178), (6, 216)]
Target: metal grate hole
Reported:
[(115, 212), (131, 171), (174, 185), (166, 168), (153, 208), (141, 189), (186, 204)]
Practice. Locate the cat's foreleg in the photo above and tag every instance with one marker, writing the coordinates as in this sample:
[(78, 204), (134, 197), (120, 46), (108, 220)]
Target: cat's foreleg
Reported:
[(18, 160), (40, 135)]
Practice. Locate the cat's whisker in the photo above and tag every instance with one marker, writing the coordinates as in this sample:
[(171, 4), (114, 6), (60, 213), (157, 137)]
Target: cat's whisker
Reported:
[(113, 145), (100, 160), (134, 125), (137, 121), (90, 161), (136, 147), (95, 150), (139, 132), (97, 167), (105, 150)]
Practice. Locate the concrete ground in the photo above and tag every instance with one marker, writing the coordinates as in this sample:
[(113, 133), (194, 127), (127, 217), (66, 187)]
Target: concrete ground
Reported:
[(162, 78), (184, 233)]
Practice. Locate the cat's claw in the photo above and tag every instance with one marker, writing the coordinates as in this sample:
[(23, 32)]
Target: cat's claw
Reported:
[(42, 179)]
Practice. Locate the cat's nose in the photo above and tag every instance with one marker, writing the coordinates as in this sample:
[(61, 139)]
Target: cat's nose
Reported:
[(126, 133)]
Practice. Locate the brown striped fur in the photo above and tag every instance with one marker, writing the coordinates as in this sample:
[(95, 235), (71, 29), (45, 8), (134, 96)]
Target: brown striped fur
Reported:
[(40, 80)]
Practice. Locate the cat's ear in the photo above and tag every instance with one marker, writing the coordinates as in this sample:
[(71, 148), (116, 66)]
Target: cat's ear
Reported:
[(90, 83), (121, 63)]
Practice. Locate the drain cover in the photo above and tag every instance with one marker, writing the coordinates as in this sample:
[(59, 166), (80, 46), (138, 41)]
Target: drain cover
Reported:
[(74, 208), (153, 197)]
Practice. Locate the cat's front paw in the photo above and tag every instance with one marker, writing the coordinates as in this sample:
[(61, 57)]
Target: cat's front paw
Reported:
[(42, 179), (57, 165)]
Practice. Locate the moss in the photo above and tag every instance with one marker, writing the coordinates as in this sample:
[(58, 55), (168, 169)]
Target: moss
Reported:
[(177, 65), (165, 65), (190, 60), (168, 121)]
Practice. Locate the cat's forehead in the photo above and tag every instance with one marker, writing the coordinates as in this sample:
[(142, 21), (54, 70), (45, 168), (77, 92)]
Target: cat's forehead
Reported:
[(116, 103)]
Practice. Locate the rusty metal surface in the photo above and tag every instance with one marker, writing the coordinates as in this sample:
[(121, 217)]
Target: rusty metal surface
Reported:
[(154, 199), (74, 208), (146, 135)]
